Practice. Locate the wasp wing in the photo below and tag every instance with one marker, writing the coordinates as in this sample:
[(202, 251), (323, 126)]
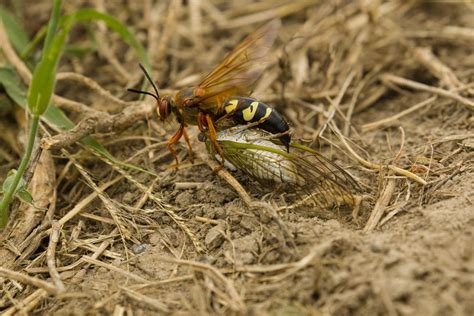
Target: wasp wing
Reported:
[(239, 70)]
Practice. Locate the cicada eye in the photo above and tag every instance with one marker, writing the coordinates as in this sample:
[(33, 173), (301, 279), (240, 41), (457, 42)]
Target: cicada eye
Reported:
[(163, 109)]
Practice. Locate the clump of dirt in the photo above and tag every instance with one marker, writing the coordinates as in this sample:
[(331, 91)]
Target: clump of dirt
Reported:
[(391, 81)]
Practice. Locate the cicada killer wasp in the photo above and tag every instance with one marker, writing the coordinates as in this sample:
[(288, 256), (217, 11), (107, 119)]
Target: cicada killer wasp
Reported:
[(224, 94)]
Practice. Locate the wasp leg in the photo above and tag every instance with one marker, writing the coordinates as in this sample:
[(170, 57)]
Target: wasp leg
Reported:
[(201, 122), (173, 140), (190, 149), (213, 138)]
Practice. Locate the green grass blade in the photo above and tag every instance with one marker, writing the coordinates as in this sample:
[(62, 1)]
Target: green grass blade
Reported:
[(44, 76), (29, 49)]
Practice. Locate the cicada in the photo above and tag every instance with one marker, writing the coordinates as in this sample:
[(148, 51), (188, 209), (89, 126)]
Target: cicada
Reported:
[(224, 94), (303, 171)]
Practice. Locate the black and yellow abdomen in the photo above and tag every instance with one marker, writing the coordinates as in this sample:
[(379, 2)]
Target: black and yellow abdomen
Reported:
[(249, 110)]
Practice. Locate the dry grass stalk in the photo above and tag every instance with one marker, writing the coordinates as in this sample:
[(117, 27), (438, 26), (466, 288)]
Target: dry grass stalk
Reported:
[(113, 268), (26, 279), (224, 174), (51, 256), (100, 122), (382, 202), (390, 120), (94, 86), (104, 47), (372, 165), (151, 302), (420, 86), (386, 194), (28, 304), (111, 206), (445, 74), (235, 301), (164, 207), (79, 207)]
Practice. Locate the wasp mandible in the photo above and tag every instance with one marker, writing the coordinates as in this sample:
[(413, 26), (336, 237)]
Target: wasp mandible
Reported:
[(224, 93)]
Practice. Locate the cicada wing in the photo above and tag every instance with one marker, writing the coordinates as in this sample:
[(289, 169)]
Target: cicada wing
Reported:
[(240, 69), (309, 174), (326, 183)]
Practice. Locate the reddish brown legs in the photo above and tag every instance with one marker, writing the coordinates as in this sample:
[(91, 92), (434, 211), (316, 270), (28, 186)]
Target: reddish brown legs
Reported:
[(190, 149), (173, 140)]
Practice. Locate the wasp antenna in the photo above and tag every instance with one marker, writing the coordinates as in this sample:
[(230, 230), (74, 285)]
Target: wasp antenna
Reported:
[(144, 92), (149, 79)]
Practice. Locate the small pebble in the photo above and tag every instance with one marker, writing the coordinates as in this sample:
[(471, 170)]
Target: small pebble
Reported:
[(214, 237), (137, 249), (378, 247)]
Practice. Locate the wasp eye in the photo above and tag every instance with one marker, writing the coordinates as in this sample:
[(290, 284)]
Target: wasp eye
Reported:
[(163, 109)]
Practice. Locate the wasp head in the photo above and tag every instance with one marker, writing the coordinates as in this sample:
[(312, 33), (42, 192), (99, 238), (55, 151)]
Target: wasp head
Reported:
[(163, 103)]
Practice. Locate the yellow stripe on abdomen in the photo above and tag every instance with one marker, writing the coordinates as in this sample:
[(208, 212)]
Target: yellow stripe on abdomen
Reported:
[(249, 112), (267, 113), (231, 106)]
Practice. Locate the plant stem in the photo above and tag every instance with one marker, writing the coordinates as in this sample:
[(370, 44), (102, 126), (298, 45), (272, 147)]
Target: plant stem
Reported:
[(7, 198)]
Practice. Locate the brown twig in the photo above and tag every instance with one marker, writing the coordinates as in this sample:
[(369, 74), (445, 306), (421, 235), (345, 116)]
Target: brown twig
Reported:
[(26, 305), (100, 122), (391, 119), (380, 205), (426, 57), (23, 278), (421, 86), (93, 85), (115, 269), (386, 195), (51, 256), (375, 166), (224, 174), (237, 303), (152, 302), (335, 104)]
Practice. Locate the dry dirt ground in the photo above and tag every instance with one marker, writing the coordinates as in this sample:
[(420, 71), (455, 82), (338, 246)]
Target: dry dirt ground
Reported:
[(185, 242)]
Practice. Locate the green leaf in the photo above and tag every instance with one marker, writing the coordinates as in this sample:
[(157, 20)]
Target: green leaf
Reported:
[(9, 181), (12, 85), (20, 191), (24, 195), (15, 31)]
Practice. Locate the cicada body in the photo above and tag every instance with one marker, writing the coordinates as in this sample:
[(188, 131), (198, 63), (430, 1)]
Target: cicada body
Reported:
[(302, 170)]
